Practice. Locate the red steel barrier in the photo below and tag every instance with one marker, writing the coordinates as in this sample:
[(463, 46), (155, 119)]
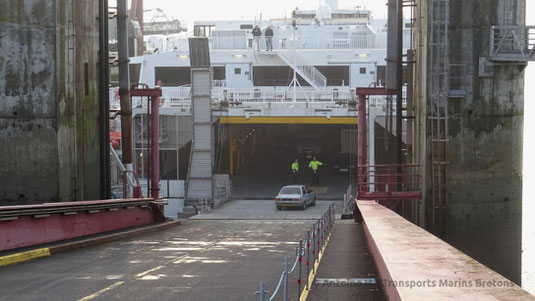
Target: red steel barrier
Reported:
[(28, 225)]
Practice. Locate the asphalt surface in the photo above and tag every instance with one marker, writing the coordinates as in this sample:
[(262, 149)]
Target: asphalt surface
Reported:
[(199, 260), (266, 210), (221, 255), (265, 186)]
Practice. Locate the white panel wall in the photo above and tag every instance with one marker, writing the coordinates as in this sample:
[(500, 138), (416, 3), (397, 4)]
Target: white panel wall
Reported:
[(242, 80)]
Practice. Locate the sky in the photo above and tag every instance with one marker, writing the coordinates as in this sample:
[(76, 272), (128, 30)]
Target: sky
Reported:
[(207, 10)]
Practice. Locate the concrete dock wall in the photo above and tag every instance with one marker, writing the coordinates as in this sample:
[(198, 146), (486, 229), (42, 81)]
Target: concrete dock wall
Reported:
[(413, 264), (484, 185), (485, 193), (49, 118)]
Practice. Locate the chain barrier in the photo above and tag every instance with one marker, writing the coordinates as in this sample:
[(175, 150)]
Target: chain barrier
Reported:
[(313, 245)]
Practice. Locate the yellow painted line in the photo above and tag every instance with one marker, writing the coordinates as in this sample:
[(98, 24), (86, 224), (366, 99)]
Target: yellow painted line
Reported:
[(312, 275), (319, 189), (287, 120), (92, 296), (24, 256), (151, 270)]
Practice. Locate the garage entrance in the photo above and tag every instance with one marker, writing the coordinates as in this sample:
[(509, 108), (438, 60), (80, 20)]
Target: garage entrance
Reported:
[(258, 154)]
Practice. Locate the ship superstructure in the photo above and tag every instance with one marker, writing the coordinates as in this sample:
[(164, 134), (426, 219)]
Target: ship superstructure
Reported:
[(308, 78)]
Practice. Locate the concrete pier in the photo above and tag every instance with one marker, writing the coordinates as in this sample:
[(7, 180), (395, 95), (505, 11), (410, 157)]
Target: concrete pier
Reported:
[(49, 102), (413, 264)]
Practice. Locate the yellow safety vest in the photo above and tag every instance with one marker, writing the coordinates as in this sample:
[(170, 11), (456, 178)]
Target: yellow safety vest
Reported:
[(295, 166), (314, 165)]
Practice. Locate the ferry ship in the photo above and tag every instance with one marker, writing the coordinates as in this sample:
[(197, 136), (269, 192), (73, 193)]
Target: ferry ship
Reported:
[(293, 100)]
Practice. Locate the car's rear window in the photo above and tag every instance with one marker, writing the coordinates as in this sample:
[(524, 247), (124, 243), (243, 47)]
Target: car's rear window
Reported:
[(290, 190)]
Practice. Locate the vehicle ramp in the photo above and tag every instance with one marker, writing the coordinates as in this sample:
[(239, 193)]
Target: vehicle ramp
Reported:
[(346, 270)]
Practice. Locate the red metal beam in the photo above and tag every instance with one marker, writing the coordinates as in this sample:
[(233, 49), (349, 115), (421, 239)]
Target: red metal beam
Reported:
[(143, 90), (23, 226), (374, 91)]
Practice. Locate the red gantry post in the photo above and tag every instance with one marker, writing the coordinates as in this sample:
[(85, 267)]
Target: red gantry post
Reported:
[(362, 143), (154, 94), (155, 144), (362, 167)]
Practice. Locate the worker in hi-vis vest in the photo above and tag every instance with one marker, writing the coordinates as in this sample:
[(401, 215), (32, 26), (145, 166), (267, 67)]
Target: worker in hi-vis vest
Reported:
[(295, 170), (314, 164)]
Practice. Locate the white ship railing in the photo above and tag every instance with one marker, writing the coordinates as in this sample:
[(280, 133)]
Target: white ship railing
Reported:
[(284, 94), (179, 97), (307, 71), (246, 41)]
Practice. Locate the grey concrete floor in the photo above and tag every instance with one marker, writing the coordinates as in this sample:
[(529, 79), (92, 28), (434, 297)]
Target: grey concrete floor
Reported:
[(266, 186), (346, 258), (203, 259), (221, 255), (265, 210)]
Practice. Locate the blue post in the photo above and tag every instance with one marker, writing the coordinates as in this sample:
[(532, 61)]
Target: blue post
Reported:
[(314, 247), (285, 278), (300, 264), (262, 291), (308, 257)]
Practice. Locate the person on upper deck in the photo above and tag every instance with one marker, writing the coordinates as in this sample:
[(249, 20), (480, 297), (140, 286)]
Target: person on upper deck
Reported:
[(269, 38), (257, 33)]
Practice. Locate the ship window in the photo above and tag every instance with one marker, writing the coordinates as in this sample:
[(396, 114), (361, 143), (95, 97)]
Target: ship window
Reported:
[(362, 70), (275, 76), (336, 75), (219, 72), (381, 74), (246, 26), (134, 71), (305, 16), (173, 76), (237, 70), (202, 30)]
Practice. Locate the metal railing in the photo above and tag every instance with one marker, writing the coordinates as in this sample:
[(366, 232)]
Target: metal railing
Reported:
[(312, 248), (389, 181), (309, 72), (242, 41), (284, 94), (180, 96), (512, 43), (134, 188)]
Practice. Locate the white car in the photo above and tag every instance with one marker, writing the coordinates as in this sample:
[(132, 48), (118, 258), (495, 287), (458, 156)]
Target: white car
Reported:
[(295, 196)]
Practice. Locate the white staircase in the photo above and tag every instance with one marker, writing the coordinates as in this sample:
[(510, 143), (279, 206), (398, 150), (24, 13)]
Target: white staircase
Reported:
[(199, 183), (308, 72)]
